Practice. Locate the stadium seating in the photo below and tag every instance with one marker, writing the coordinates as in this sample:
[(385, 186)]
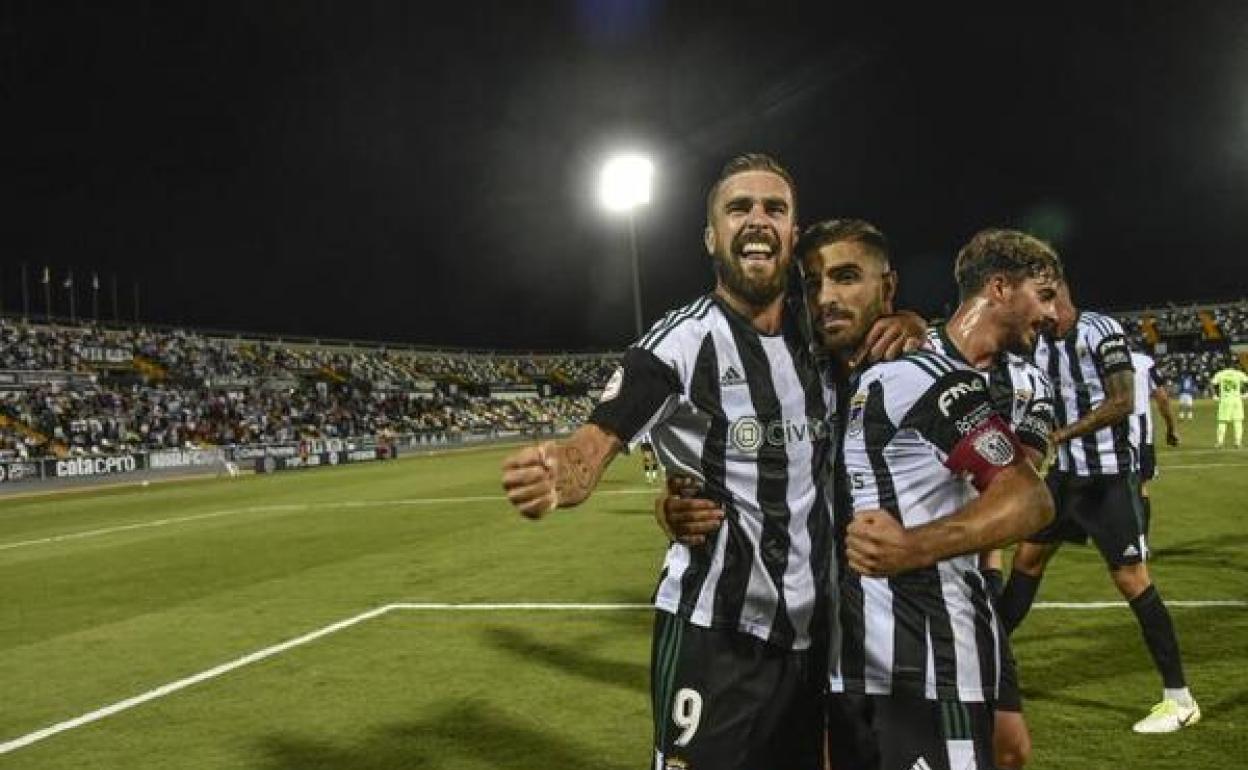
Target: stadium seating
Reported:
[(139, 389)]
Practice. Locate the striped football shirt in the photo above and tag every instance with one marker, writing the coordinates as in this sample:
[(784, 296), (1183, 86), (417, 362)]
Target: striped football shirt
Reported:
[(750, 416), (1078, 365), (915, 427)]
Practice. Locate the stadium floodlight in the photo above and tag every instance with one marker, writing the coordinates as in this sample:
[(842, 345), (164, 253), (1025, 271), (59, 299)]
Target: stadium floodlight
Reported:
[(625, 182), (623, 186)]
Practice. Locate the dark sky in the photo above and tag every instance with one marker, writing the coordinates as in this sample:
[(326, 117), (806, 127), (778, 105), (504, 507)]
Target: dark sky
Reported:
[(425, 172)]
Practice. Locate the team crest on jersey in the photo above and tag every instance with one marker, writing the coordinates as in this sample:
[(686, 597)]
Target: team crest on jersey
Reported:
[(993, 446), (857, 407), (613, 385)]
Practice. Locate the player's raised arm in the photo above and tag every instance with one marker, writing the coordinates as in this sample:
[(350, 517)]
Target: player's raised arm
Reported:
[(561, 474)]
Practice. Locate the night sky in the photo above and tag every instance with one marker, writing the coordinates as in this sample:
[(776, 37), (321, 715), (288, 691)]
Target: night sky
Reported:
[(426, 172)]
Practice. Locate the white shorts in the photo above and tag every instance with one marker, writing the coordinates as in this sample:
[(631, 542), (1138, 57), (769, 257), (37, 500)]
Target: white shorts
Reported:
[(1185, 399)]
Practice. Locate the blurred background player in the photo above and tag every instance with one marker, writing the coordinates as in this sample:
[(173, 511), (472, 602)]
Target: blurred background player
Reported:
[(648, 460), (1228, 388), (1149, 388), (1096, 491), (1187, 396)]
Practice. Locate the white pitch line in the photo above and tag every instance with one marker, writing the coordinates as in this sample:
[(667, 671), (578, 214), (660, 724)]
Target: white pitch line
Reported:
[(281, 508), (173, 687), (1114, 605), (148, 524), (1200, 466), (268, 652)]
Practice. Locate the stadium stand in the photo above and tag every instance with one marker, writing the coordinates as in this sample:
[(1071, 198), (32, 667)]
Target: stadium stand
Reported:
[(85, 390), (69, 390)]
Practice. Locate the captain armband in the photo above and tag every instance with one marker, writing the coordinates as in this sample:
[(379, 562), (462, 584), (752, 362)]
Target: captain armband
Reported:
[(985, 451)]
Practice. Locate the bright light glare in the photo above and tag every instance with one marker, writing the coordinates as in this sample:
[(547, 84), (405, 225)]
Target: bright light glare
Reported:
[(625, 182)]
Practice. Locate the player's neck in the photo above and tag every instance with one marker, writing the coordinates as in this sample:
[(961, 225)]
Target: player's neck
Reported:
[(767, 319), (972, 332)]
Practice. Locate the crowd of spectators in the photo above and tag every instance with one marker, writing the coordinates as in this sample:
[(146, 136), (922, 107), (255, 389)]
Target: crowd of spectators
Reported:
[(173, 388), (165, 389)]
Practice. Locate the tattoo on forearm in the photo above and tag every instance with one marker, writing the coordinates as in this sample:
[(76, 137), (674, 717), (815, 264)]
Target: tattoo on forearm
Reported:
[(576, 475), (1117, 386)]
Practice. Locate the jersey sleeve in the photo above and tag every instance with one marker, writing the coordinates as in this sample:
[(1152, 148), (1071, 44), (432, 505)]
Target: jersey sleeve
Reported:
[(956, 417), (1108, 346), (1038, 421), (643, 391)]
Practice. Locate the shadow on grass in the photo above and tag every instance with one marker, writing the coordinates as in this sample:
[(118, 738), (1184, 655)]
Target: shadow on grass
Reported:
[(470, 731), (571, 659), (1221, 551), (1110, 646)]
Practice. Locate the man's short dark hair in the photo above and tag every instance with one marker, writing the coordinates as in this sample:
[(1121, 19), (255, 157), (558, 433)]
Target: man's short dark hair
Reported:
[(751, 161), (832, 231), (1012, 253)]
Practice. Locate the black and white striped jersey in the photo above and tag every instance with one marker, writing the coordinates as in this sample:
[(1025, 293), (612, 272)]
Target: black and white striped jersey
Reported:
[(751, 417), (1078, 365), (1146, 381), (1018, 390), (922, 437)]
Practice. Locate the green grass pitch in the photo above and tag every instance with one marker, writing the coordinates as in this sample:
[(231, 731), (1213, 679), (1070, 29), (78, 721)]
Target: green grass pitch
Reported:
[(110, 594)]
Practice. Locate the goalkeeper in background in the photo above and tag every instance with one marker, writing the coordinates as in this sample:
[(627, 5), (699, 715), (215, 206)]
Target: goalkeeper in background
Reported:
[(1228, 388)]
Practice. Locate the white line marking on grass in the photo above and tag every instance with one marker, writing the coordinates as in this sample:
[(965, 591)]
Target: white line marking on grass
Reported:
[(278, 508), (1113, 605), (1201, 466), (268, 652), (173, 687), (149, 524)]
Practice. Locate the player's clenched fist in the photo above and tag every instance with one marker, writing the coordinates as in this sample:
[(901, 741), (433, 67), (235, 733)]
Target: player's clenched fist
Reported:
[(877, 545), (530, 477)]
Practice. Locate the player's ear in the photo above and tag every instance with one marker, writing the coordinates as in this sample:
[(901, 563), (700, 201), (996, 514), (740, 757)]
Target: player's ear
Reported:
[(708, 239), (996, 286), (888, 289)]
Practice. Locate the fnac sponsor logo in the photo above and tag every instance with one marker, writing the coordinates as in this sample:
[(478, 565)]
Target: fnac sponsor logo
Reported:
[(958, 390)]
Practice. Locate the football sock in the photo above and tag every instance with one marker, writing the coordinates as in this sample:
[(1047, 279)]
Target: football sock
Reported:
[(1180, 695), (1154, 619), (1238, 425), (1221, 433), (1016, 599)]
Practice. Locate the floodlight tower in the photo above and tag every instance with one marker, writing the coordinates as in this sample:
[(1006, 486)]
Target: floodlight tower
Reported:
[(624, 185)]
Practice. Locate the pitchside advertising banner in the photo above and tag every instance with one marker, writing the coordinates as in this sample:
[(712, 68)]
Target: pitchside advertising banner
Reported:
[(77, 467), (184, 458), (20, 470), (274, 463)]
